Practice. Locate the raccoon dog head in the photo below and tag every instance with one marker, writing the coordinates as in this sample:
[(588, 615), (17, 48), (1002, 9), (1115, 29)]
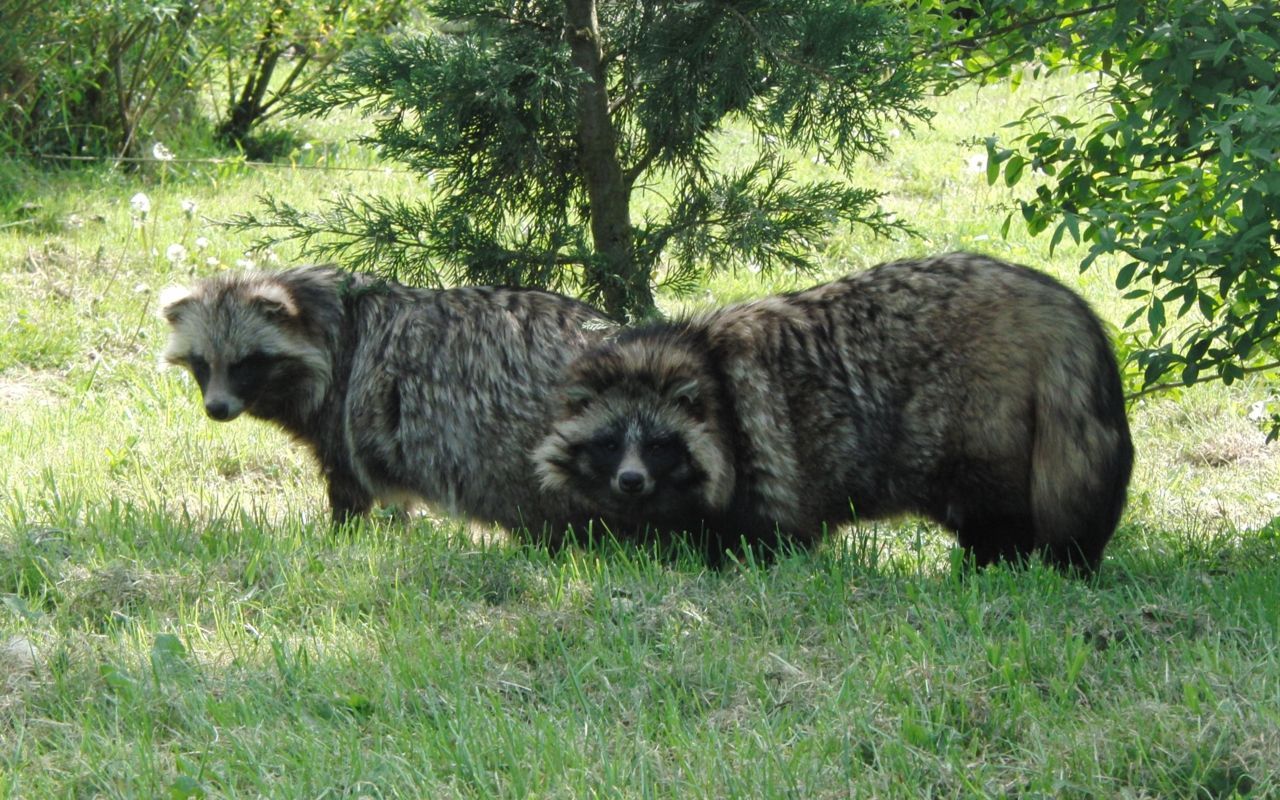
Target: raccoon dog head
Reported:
[(639, 432), (250, 343)]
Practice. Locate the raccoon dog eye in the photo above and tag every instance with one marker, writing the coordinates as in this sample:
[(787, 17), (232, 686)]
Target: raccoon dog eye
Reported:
[(253, 361), (199, 368), (660, 444), (253, 368), (608, 446)]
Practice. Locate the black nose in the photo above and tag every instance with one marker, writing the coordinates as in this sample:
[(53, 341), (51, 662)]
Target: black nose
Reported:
[(218, 410), (631, 482)]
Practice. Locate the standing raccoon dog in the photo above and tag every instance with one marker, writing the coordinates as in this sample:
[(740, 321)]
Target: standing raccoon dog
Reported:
[(981, 394), (401, 393)]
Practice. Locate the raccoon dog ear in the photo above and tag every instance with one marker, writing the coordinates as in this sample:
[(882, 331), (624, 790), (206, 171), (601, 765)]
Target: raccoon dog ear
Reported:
[(686, 395), (577, 397), (172, 300), (274, 302)]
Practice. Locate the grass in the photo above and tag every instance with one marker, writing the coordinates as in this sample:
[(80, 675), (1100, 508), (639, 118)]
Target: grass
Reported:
[(176, 618)]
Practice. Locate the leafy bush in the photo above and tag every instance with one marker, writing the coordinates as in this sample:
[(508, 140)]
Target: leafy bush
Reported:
[(1175, 169), (268, 51), (105, 79), (96, 79)]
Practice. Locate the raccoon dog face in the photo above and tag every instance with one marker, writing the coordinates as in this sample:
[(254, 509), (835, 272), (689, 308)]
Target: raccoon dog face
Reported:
[(638, 436), (249, 345)]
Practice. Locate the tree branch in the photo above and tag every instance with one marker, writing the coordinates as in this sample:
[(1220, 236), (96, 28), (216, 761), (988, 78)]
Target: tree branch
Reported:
[(970, 41), (783, 57), (637, 169), (1160, 387)]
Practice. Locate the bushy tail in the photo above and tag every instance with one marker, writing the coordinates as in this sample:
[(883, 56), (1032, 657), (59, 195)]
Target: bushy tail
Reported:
[(1082, 455)]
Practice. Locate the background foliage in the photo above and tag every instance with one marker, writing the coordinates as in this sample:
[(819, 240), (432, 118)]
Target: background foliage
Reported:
[(109, 79), (597, 175), (265, 52), (95, 78), (1173, 164)]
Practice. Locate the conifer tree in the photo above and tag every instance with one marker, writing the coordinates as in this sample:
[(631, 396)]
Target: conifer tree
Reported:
[(571, 142)]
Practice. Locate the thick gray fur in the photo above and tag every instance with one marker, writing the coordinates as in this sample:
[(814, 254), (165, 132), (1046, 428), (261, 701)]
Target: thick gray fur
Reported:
[(981, 394), (402, 394)]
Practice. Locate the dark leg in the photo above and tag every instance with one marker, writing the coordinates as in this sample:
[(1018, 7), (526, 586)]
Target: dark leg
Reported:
[(767, 544), (992, 539), (1075, 558), (347, 498)]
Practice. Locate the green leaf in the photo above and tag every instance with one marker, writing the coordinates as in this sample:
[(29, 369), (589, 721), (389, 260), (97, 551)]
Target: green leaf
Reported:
[(1013, 169), (1155, 315), (1073, 226), (117, 680), (993, 163), (1056, 238), (168, 646), (1125, 276), (186, 787)]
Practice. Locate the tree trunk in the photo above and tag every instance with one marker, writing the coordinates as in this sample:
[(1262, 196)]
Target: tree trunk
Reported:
[(248, 109), (623, 285)]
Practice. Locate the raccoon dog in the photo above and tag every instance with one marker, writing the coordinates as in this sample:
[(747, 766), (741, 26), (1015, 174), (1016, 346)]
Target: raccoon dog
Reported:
[(402, 394), (980, 394)]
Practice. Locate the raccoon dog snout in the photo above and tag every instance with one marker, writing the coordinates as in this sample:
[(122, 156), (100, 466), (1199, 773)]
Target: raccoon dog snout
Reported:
[(220, 410), (632, 482)]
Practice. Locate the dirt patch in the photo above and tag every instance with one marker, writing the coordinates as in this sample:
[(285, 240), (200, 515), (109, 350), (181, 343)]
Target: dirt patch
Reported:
[(29, 389), (1228, 448), (17, 670)]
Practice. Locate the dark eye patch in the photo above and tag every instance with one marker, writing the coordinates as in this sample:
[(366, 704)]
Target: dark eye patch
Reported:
[(607, 445), (661, 443), (199, 369), (250, 372)]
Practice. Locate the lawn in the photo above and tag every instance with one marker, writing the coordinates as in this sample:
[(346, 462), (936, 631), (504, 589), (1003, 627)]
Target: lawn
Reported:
[(177, 618)]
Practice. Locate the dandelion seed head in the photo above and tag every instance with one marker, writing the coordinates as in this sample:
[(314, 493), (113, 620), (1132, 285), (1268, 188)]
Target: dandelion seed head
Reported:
[(140, 204)]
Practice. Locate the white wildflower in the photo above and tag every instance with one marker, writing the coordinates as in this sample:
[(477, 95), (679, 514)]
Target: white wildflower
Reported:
[(189, 208), (245, 263), (211, 261), (161, 153), (202, 243), (176, 253), (1258, 412), (140, 204)]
